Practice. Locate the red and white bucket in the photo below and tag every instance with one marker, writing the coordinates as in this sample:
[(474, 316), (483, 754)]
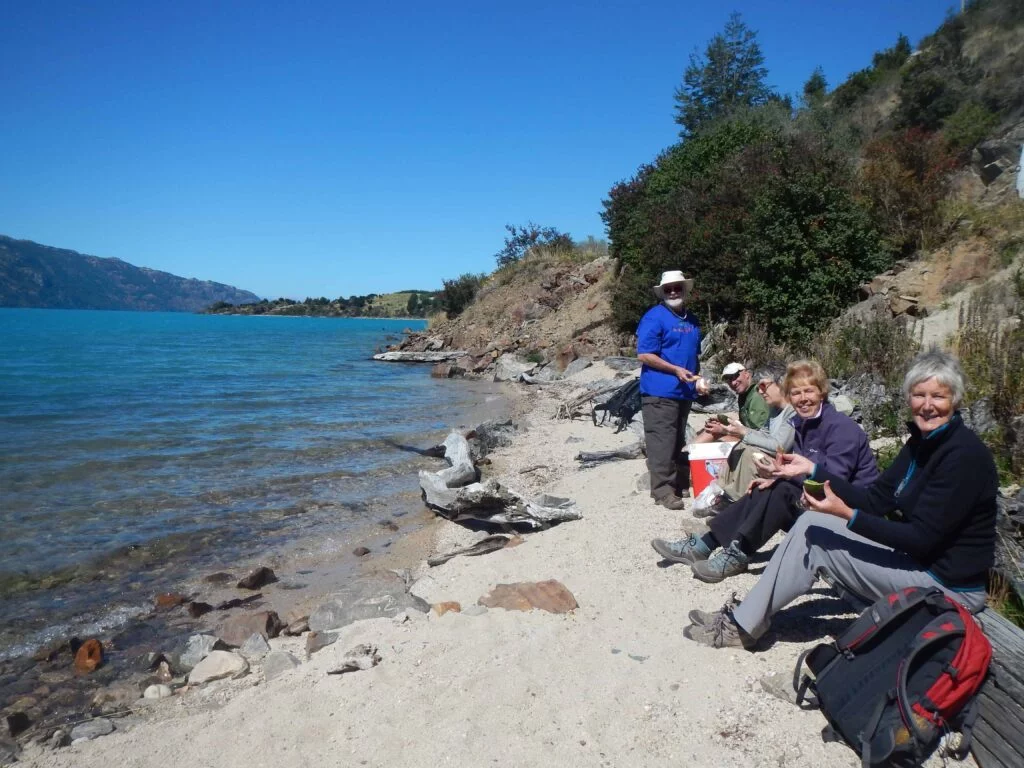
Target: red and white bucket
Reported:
[(708, 461)]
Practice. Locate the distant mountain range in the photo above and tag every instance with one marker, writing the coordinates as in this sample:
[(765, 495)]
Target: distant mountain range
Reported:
[(34, 275)]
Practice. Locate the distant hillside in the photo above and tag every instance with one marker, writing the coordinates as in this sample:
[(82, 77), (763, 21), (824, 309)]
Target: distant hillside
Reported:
[(34, 275), (410, 303)]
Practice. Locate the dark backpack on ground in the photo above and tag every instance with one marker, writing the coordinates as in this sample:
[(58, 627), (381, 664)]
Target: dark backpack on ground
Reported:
[(622, 405), (905, 672)]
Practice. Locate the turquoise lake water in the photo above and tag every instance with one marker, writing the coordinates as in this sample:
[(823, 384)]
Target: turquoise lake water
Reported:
[(136, 447)]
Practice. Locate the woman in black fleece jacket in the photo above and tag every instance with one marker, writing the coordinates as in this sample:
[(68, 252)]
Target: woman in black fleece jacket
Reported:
[(942, 487)]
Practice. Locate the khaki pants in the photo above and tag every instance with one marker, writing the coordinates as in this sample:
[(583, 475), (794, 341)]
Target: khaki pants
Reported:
[(665, 436), (741, 471)]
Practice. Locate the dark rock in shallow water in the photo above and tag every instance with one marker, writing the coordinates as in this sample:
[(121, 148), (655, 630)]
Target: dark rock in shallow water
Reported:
[(257, 578), (360, 551), (16, 723), (197, 609), (218, 578), (169, 600), (237, 602)]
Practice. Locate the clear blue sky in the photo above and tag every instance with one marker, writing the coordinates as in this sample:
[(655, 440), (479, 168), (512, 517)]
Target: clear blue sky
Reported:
[(331, 148)]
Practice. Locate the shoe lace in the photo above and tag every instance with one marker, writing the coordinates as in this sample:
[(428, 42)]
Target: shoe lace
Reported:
[(722, 627), (726, 557)]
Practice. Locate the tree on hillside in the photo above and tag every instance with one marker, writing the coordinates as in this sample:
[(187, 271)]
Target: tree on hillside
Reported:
[(731, 75), (815, 89), (521, 240)]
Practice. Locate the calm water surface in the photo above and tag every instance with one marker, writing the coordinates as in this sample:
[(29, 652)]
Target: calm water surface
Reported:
[(137, 447)]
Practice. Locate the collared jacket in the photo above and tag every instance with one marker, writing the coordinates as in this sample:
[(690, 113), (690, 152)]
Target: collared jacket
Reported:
[(837, 444), (944, 487)]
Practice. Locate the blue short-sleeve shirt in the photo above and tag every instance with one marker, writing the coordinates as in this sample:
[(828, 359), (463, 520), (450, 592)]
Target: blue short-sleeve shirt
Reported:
[(675, 339)]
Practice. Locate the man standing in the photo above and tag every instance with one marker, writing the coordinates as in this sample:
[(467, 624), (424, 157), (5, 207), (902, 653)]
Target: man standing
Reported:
[(668, 345)]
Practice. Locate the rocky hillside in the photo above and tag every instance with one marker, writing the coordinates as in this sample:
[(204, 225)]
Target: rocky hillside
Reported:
[(544, 310), (34, 275)]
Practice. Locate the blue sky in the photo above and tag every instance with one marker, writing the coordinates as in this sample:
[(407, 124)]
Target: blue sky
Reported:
[(327, 148)]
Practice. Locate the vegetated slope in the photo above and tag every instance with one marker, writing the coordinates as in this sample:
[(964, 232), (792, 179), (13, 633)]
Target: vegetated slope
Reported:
[(544, 308), (40, 276), (410, 303)]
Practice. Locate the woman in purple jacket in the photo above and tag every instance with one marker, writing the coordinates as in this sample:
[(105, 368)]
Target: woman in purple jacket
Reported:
[(822, 435)]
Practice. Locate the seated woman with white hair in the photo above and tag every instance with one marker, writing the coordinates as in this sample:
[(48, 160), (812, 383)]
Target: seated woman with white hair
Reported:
[(944, 484)]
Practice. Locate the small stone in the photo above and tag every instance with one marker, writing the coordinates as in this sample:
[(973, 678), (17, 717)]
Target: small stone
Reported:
[(236, 630), (89, 656), (317, 640), (259, 577), (91, 729), (448, 606), (60, 738), (117, 696), (360, 551), (169, 600), (217, 665), (298, 626), (157, 692), (255, 647), (277, 663), (198, 648), (359, 658)]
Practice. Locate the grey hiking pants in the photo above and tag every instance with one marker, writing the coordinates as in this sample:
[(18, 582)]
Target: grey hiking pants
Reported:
[(665, 436), (819, 542)]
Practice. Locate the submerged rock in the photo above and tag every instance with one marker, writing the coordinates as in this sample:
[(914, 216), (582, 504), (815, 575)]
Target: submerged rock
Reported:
[(257, 578), (89, 656)]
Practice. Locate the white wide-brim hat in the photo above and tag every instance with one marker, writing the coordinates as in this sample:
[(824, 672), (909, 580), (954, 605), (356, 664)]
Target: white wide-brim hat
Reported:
[(671, 277)]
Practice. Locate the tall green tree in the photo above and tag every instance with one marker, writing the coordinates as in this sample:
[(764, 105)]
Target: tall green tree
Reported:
[(731, 75)]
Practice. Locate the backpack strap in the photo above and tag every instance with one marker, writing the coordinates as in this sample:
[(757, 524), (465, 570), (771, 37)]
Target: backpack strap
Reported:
[(868, 734), (938, 630), (876, 617), (802, 682), (966, 727)]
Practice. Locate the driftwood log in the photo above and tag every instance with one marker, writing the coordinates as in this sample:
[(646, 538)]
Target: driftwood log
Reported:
[(419, 357), (453, 494), (999, 733), (576, 406), (593, 458)]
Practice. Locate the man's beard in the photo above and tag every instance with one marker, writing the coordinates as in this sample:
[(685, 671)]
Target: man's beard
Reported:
[(674, 303)]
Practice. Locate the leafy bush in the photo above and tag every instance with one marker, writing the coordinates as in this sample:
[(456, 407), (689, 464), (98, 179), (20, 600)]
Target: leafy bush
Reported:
[(523, 240), (969, 125), (459, 293)]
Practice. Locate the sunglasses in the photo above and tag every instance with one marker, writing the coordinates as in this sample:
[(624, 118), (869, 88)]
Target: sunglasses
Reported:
[(676, 288)]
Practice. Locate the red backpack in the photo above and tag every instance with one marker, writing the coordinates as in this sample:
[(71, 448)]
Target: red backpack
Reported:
[(905, 672)]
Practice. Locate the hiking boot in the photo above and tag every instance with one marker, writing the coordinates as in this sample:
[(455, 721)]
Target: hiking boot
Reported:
[(689, 550), (727, 562), (671, 502), (719, 504), (721, 631), (703, 618)]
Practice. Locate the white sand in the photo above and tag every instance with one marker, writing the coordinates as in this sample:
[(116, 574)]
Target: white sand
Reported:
[(614, 683)]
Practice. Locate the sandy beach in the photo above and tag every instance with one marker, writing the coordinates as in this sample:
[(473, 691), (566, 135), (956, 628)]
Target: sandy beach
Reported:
[(613, 683)]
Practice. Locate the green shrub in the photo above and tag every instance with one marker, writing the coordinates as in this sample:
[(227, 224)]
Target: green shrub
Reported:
[(969, 126), (459, 293)]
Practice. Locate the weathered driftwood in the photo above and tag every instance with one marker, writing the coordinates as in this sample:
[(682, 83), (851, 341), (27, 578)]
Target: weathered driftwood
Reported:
[(593, 458), (482, 547), (419, 357), (492, 503), (999, 733), (456, 452), (574, 406)]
